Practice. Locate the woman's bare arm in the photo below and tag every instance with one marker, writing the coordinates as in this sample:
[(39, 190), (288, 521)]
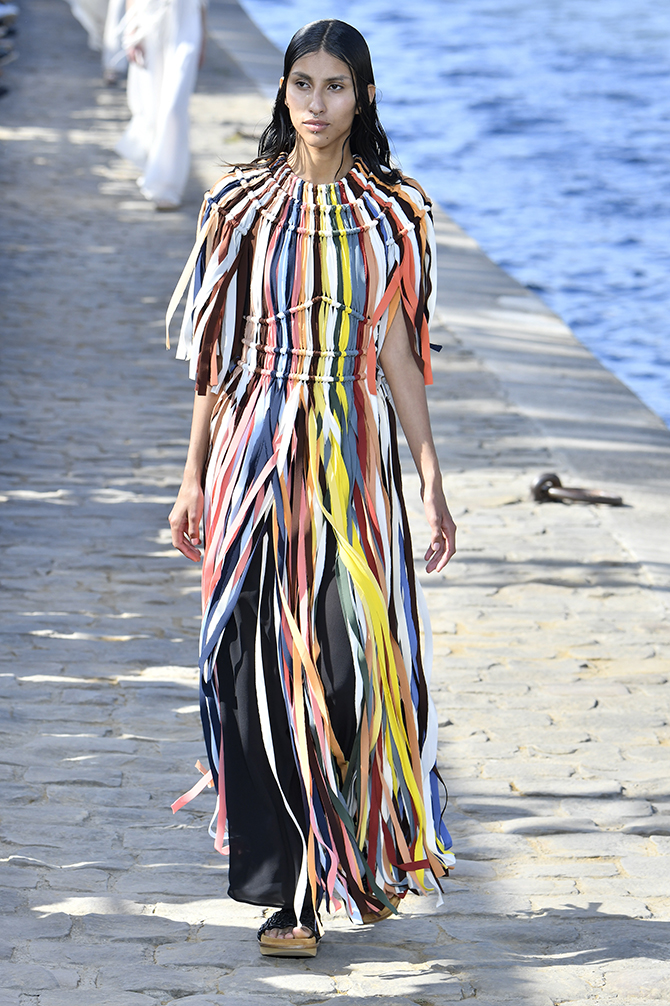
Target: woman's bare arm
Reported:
[(409, 397), (186, 514)]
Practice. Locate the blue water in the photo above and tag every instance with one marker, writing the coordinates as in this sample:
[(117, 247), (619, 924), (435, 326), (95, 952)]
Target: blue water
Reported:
[(543, 128)]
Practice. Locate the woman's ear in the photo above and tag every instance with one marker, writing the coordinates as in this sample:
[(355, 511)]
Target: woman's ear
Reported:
[(372, 90)]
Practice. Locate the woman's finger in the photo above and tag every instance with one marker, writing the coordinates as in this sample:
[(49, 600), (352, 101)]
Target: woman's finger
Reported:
[(181, 539), (194, 528)]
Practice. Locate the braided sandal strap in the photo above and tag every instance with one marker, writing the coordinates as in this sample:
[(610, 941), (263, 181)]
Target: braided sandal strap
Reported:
[(308, 920), (283, 919)]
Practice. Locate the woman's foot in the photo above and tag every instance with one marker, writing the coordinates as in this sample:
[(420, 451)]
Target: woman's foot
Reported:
[(282, 936)]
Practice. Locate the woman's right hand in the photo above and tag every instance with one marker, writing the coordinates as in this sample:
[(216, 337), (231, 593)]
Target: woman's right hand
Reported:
[(185, 518)]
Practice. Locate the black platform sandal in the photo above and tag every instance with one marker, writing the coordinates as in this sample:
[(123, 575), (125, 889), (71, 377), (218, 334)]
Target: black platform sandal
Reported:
[(296, 946)]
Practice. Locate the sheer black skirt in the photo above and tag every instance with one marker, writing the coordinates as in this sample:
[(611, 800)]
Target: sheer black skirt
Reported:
[(265, 843)]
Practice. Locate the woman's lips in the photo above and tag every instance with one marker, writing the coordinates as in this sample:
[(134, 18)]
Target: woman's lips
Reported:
[(316, 124)]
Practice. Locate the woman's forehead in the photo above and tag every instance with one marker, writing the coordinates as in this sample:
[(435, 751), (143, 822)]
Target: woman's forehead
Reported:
[(322, 65)]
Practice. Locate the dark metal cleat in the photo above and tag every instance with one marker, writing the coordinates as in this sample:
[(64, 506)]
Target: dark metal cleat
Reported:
[(548, 488)]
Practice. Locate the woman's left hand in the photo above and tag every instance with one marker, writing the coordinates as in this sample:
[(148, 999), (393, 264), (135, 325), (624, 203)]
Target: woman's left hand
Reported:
[(135, 54), (442, 531)]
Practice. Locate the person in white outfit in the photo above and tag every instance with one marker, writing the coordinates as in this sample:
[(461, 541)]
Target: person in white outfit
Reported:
[(114, 61), (164, 41), (103, 23), (91, 16)]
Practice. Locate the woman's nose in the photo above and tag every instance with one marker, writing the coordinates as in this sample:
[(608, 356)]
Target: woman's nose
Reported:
[(316, 105)]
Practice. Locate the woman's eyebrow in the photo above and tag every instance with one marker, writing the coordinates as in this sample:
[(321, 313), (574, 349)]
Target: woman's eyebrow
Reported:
[(306, 76)]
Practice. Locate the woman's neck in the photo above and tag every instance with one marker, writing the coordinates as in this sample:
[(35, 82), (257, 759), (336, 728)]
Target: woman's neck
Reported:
[(319, 167)]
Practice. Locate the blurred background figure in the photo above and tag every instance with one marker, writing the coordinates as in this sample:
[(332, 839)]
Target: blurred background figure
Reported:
[(91, 16), (103, 21), (165, 43), (114, 61)]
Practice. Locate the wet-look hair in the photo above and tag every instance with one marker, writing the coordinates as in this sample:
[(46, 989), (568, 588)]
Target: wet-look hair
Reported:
[(367, 139)]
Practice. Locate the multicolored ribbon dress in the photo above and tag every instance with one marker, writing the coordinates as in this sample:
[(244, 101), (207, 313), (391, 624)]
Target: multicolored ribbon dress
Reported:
[(320, 731)]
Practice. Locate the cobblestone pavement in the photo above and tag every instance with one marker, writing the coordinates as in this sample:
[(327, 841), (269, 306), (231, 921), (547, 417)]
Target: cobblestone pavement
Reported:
[(551, 639)]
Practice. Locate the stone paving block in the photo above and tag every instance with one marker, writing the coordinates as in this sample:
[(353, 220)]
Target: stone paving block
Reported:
[(88, 997), (32, 927), (583, 906), (67, 745), (15, 793), (546, 825), (273, 975), (229, 951), (532, 887), (465, 786), (78, 880), (168, 837), (639, 983), (656, 824), (588, 846), (151, 928), (556, 867), (539, 768), (213, 1000), (174, 981), (496, 808), (473, 869), (543, 987), (606, 812), (531, 785), (653, 752), (9, 900), (651, 892), (201, 849), (474, 902), (646, 789), (414, 982), (491, 845), (87, 957), (47, 815), (78, 775), (125, 796), (172, 880), (544, 932), (611, 1000), (10, 997), (27, 977), (84, 838)]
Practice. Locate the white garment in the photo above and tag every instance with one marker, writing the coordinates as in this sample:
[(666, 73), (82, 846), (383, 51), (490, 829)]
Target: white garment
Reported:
[(156, 139), (113, 55), (91, 15)]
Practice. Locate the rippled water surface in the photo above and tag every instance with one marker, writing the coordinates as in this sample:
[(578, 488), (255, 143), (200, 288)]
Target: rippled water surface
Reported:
[(544, 129)]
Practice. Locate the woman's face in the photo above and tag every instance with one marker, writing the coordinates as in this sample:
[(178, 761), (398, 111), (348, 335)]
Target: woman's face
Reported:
[(321, 100)]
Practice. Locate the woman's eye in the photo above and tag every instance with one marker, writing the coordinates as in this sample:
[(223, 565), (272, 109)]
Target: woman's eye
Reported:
[(336, 87)]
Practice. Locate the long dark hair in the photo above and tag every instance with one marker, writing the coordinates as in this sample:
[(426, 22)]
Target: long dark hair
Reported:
[(367, 139)]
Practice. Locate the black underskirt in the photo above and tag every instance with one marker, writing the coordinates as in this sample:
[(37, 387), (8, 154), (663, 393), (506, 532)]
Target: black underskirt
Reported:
[(265, 845)]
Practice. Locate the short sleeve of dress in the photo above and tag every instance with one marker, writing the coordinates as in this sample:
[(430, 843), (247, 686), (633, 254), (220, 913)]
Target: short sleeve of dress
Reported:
[(212, 319), (411, 268), (418, 261)]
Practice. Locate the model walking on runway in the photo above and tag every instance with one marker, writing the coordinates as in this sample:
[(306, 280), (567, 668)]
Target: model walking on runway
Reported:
[(306, 328)]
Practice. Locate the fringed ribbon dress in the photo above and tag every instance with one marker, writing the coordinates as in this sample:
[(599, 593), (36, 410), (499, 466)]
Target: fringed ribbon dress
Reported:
[(320, 731)]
